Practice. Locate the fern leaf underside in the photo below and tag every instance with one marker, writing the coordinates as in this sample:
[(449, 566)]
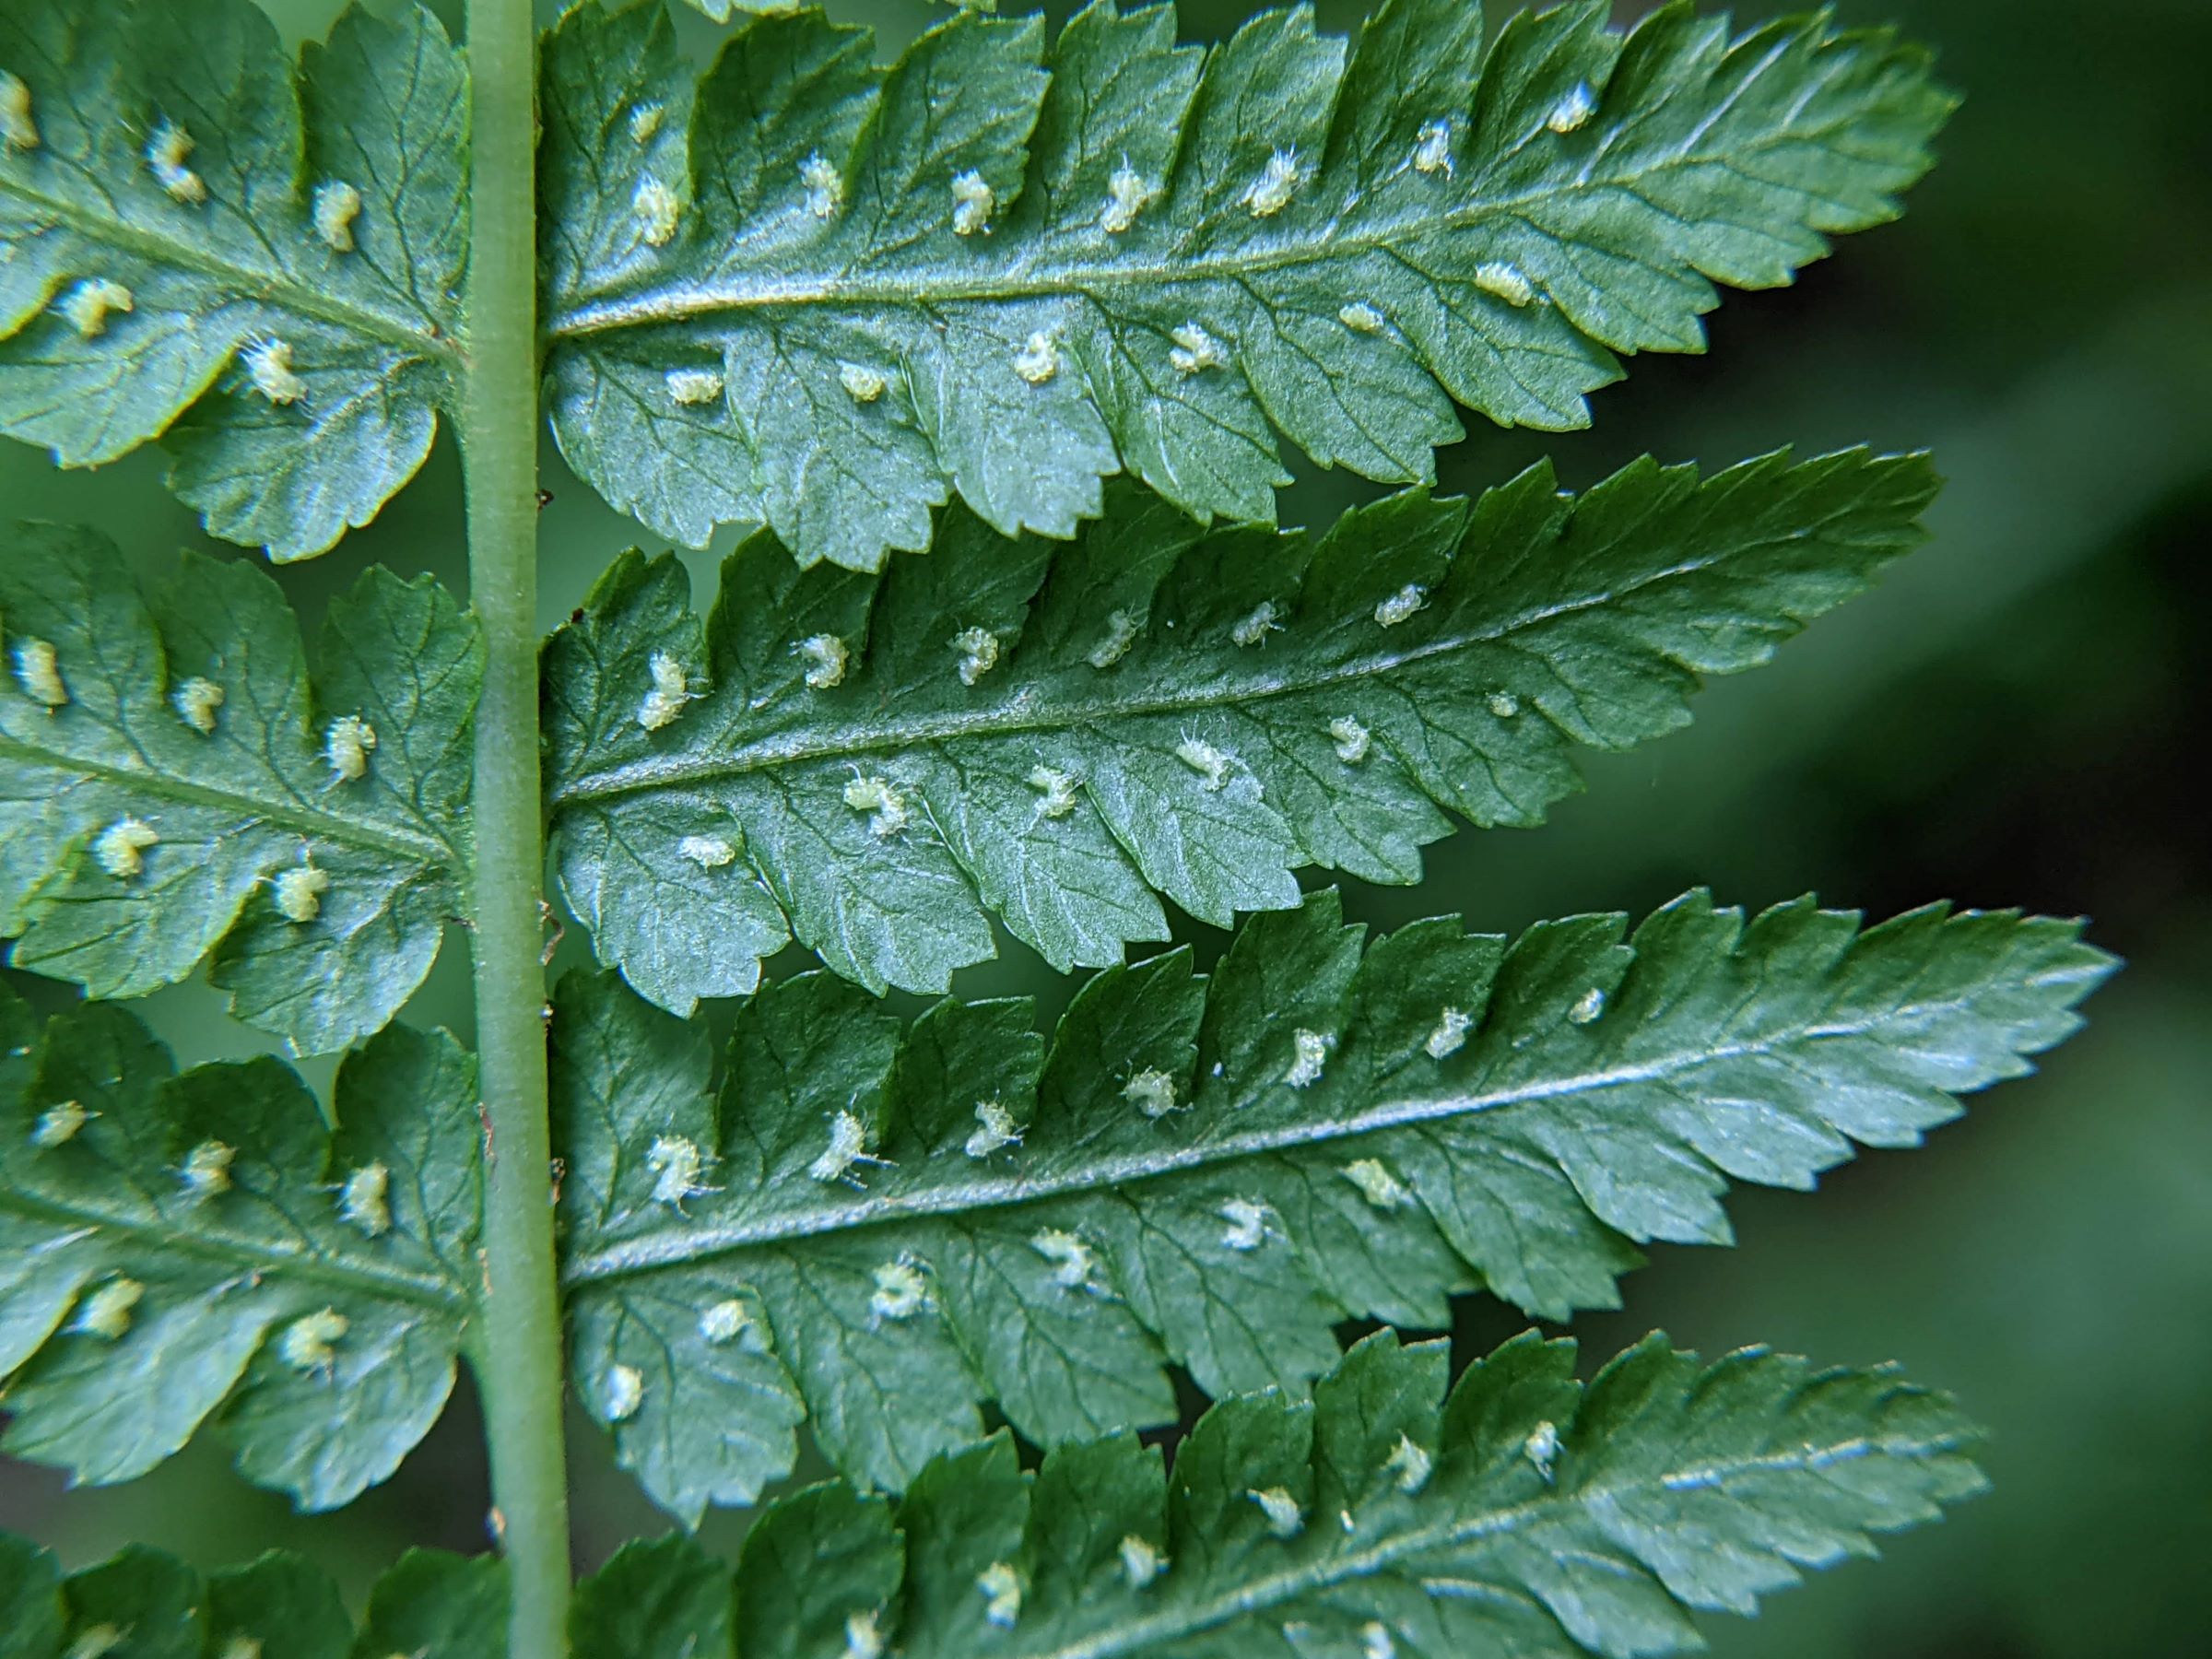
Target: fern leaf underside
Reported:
[(177, 1250), (807, 293), (258, 264), (1526, 1513), (175, 791), (875, 1226), (1060, 736)]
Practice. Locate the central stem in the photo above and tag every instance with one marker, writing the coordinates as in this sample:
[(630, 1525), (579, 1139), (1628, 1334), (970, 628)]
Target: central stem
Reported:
[(519, 1370)]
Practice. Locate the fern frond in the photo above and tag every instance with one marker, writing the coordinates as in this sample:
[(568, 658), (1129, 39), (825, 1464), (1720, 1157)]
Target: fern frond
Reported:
[(261, 264), (813, 295), (174, 789), (1057, 737), (722, 11), (1524, 1514), (176, 1249), (146, 1604), (1529, 1514), (892, 1223)]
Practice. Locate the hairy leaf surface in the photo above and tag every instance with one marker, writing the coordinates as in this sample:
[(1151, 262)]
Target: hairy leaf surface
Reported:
[(282, 248), (316, 898), (1060, 736), (815, 295), (883, 1225), (145, 1604), (1528, 1514), (183, 1249)]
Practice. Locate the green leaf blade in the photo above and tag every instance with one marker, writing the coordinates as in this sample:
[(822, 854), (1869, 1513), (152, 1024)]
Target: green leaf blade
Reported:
[(221, 254), (1522, 1511), (317, 900), (198, 1248), (850, 301), (1062, 737), (880, 1225)]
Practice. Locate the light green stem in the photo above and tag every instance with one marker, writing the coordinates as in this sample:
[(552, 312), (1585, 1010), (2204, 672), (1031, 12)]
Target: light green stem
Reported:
[(519, 1370)]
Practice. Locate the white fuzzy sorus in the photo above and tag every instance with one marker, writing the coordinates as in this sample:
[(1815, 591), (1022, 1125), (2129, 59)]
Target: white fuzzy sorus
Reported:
[(995, 1131), (901, 1291), (1503, 704), (849, 1139), (269, 368), (96, 1642), (978, 648), (1285, 1518), (708, 852), (39, 672), (1039, 359), (886, 806), (657, 212), (622, 1393), (347, 745), (19, 125), (1377, 1184), (1376, 1642), (91, 302), (338, 206), (1309, 1053), (197, 702), (677, 1164), (1073, 1262), (1572, 112), (693, 388), (973, 202), (1402, 606), (1271, 191), (1195, 350), (1203, 758), (309, 1343), (1450, 1034), (864, 384), (1152, 1093), (1128, 193), (1255, 627), (723, 1323), (166, 152), (1587, 1006), (1432, 148), (1409, 1465), (1541, 1447), (1000, 1587), (1362, 318), (1141, 1562), (57, 1125), (205, 1172), (241, 1646), (1249, 1226), (1058, 790), (1351, 739), (122, 845), (364, 1199), (645, 122), (827, 657), (106, 1314), (299, 892), (671, 692), (825, 186), (1121, 633), (1504, 282), (862, 1639)]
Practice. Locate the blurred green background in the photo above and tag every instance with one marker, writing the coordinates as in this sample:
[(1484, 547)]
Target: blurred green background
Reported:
[(2002, 723)]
